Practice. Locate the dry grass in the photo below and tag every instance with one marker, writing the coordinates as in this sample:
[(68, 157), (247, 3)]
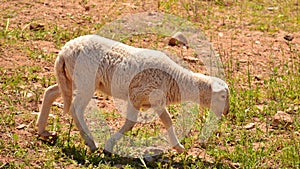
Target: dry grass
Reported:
[(262, 69)]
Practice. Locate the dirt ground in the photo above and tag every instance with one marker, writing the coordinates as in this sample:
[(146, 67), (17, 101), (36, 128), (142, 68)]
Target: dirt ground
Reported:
[(251, 50), (237, 42)]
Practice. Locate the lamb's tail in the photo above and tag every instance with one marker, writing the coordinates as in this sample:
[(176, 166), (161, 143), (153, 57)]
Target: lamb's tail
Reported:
[(60, 71), (64, 83)]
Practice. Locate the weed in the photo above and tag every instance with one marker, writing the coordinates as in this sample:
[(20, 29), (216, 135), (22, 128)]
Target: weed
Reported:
[(232, 145)]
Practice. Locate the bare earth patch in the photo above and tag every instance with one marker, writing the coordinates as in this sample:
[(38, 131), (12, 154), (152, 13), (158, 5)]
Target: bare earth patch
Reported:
[(34, 32)]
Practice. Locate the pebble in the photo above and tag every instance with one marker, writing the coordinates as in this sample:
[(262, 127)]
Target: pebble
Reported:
[(178, 39), (249, 126), (288, 37), (281, 118)]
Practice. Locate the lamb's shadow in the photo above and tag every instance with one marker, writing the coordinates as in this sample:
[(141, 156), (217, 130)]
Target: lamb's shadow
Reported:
[(83, 157)]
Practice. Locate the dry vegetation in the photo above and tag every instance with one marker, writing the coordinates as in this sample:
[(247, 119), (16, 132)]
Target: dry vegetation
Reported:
[(261, 65)]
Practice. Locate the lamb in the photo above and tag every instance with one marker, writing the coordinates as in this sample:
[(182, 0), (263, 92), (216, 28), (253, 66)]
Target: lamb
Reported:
[(144, 78)]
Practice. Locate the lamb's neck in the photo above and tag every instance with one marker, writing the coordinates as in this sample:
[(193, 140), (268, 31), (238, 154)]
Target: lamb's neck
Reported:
[(189, 89)]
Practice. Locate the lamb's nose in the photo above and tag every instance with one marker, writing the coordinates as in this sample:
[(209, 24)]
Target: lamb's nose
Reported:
[(226, 112)]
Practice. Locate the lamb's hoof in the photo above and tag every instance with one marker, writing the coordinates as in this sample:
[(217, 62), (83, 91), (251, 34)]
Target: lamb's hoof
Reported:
[(94, 149), (179, 148), (91, 144), (47, 136), (107, 153)]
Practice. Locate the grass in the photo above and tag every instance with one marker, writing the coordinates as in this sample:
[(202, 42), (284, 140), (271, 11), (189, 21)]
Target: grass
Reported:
[(232, 145)]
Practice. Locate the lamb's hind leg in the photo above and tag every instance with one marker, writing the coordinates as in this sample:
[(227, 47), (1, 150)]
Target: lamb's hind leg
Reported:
[(83, 90), (131, 120), (50, 95), (166, 120), (80, 101)]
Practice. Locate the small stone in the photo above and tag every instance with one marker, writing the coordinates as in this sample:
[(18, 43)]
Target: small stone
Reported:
[(59, 105), (249, 126), (292, 109), (235, 165), (87, 8), (21, 126), (47, 68), (271, 8), (288, 37), (257, 77), (36, 27), (191, 59), (282, 118), (29, 95), (178, 39)]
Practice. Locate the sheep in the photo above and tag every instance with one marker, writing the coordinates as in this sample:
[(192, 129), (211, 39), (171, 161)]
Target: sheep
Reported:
[(144, 78)]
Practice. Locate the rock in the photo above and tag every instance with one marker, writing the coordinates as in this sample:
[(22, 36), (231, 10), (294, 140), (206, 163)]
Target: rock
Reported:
[(87, 8), (30, 96), (257, 77), (282, 118), (293, 109), (249, 126), (59, 105), (271, 8), (178, 39), (288, 37), (191, 59), (36, 27), (21, 126)]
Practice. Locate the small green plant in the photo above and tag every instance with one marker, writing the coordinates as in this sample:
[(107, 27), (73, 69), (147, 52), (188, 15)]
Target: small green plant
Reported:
[(25, 72)]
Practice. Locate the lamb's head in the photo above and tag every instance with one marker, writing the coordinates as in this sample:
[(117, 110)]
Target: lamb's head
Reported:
[(220, 97), (214, 94)]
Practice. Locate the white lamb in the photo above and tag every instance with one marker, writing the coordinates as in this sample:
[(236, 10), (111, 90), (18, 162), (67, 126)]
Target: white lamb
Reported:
[(145, 78)]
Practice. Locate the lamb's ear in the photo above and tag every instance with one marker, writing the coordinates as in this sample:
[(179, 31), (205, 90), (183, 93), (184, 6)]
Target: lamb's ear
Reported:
[(218, 85)]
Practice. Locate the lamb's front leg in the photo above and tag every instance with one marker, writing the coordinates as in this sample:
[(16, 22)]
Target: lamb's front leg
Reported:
[(131, 120), (166, 120)]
